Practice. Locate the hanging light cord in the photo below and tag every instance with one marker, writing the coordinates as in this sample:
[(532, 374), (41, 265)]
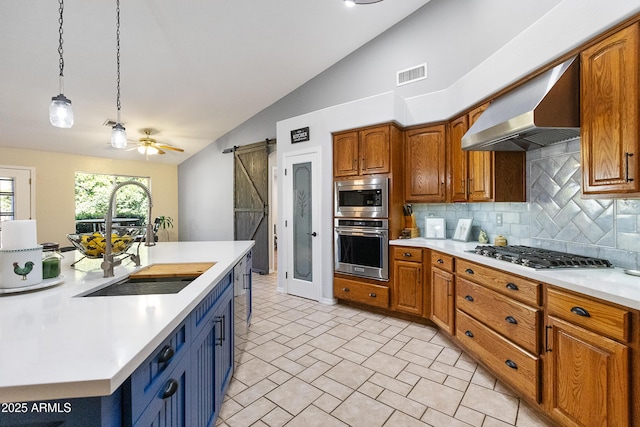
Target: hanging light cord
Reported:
[(118, 56), (60, 41)]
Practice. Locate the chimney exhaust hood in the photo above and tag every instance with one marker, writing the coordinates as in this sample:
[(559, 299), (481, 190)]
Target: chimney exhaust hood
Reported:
[(542, 111)]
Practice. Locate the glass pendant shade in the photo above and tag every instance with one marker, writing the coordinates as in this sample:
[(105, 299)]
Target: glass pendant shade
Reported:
[(118, 136), (147, 150), (60, 112)]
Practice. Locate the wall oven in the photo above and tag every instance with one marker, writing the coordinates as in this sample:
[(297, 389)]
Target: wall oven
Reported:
[(362, 247), (362, 198)]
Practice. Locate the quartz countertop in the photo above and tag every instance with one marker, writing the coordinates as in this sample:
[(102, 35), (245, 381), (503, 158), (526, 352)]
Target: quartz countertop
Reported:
[(609, 284), (58, 345)]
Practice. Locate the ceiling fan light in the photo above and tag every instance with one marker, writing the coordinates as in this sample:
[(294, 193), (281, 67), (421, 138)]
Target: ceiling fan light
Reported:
[(60, 112), (118, 136), (152, 150)]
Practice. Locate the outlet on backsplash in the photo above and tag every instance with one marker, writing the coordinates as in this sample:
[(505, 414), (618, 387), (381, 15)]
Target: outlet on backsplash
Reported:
[(499, 219)]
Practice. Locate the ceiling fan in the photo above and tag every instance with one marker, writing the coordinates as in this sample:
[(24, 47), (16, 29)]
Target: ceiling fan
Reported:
[(149, 146)]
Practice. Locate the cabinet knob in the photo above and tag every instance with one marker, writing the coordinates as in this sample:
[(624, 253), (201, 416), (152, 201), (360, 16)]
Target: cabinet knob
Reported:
[(166, 354), (345, 289), (469, 271), (511, 319), (510, 363), (580, 312), (407, 254), (469, 334), (440, 261), (469, 298), (372, 295), (512, 286), (170, 388)]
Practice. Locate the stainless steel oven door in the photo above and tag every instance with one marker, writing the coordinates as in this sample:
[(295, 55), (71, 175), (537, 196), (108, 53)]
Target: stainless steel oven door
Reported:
[(362, 251), (361, 198)]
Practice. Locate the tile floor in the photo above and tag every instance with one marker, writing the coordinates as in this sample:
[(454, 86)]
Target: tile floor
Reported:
[(309, 364)]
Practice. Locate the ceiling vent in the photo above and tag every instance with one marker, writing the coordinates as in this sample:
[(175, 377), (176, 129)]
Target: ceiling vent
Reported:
[(413, 74)]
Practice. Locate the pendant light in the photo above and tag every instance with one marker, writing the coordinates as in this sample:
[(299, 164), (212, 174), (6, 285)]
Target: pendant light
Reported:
[(60, 112), (118, 134)]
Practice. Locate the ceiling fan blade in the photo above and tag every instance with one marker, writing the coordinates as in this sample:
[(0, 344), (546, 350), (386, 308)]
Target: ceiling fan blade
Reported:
[(168, 147), (160, 151)]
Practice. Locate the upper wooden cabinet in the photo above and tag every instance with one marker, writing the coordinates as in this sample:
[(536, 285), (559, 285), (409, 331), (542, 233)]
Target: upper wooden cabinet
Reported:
[(425, 164), (362, 152), (483, 176), (609, 111)]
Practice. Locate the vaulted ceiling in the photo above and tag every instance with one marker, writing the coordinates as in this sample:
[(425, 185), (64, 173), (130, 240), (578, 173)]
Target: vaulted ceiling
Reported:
[(191, 70)]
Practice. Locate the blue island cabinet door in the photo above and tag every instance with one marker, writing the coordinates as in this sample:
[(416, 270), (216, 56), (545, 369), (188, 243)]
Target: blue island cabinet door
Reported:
[(202, 398), (223, 316), (168, 407)]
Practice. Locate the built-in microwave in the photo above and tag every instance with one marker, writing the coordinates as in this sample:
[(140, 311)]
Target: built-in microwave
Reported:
[(362, 198)]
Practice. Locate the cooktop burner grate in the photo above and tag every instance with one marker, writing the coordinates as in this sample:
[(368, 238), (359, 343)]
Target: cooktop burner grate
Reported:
[(540, 258)]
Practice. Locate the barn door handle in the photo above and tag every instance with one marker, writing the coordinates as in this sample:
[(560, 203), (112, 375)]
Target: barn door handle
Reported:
[(314, 234)]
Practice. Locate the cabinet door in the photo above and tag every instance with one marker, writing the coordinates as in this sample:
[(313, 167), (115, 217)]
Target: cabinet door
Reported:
[(407, 287), (203, 392), (375, 150), (481, 167), (458, 160), (442, 299), (345, 154), (587, 378), (223, 319), (425, 164), (609, 114)]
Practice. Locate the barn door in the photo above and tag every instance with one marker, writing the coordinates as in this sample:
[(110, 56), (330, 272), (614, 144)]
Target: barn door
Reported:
[(251, 201)]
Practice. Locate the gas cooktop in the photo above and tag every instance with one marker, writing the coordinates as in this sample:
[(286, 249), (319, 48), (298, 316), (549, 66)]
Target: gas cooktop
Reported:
[(540, 258)]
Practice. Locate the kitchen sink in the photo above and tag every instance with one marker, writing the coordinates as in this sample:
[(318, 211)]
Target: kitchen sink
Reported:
[(143, 286)]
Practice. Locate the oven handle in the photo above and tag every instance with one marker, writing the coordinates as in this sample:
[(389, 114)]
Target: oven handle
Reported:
[(353, 232)]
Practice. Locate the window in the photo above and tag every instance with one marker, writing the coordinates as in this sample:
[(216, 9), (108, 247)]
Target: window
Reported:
[(15, 193), (92, 199)]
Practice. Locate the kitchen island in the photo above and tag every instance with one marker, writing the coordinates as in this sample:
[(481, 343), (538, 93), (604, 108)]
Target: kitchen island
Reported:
[(60, 345)]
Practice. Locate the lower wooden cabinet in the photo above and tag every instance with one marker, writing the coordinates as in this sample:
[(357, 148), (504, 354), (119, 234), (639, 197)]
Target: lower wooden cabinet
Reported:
[(408, 288), (443, 291), (374, 294)]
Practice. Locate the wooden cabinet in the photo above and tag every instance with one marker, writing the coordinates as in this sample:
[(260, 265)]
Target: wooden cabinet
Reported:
[(425, 164), (408, 289), (483, 176), (362, 152), (609, 110), (361, 291), (442, 291), (588, 374)]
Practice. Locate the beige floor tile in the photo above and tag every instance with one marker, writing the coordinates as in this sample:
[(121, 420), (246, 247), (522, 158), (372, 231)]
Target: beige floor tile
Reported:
[(437, 396), (528, 418), (438, 419), (288, 365), (320, 317), (408, 378), (370, 389), (349, 355), (312, 416), (401, 403), (280, 377), (327, 402), (423, 348), (414, 358), (332, 387), (424, 333), (327, 342), (254, 371), (456, 383), (345, 331), (492, 403), (385, 364), (254, 392), (294, 395), (236, 386), (492, 422), (293, 330), (326, 357), (306, 361), (299, 341), (483, 378), (427, 373), (398, 419), (363, 346), (359, 410), (263, 338), (300, 351), (270, 350), (314, 371), (469, 416), (375, 337), (251, 414), (373, 326), (452, 370), (349, 374), (392, 347), (229, 408), (277, 418), (390, 384)]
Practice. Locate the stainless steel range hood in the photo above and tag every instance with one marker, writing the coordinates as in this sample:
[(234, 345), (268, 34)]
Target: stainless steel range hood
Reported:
[(542, 111)]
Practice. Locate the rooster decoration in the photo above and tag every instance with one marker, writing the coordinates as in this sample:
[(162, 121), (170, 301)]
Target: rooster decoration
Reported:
[(23, 271)]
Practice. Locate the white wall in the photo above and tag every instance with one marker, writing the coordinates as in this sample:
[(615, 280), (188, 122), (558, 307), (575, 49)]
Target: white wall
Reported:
[(563, 28)]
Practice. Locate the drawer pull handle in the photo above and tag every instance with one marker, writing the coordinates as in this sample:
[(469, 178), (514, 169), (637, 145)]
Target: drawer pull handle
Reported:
[(166, 354), (170, 388), (440, 261), (469, 298), (372, 295), (511, 319), (345, 289), (512, 286), (510, 363), (580, 312), (626, 174), (407, 254), (469, 334), (469, 271)]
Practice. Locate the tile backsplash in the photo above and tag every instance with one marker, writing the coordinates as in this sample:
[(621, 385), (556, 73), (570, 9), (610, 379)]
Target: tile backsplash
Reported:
[(555, 216)]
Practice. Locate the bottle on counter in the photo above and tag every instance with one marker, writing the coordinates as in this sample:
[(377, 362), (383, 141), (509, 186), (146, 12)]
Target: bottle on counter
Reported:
[(51, 260)]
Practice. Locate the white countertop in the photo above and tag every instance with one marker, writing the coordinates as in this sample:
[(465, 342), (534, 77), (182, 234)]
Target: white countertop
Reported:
[(58, 345), (609, 284)]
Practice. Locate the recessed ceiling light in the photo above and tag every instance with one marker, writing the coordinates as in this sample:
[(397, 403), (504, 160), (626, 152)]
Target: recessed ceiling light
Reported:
[(351, 3)]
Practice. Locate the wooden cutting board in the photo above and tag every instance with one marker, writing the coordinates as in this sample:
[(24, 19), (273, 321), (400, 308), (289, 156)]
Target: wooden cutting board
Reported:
[(183, 269)]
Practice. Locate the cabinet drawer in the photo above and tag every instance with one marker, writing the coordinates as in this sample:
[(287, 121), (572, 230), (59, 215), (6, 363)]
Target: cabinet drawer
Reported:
[(442, 261), (513, 364), (405, 253), (367, 293), (201, 315), (515, 320), (601, 317), (147, 381), (524, 290)]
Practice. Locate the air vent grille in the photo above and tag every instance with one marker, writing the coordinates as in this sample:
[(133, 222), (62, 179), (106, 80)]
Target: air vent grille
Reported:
[(413, 74)]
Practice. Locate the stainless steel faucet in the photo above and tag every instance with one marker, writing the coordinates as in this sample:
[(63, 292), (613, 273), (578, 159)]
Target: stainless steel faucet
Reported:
[(109, 260)]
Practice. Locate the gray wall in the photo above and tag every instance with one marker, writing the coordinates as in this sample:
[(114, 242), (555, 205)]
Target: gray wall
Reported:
[(452, 36)]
